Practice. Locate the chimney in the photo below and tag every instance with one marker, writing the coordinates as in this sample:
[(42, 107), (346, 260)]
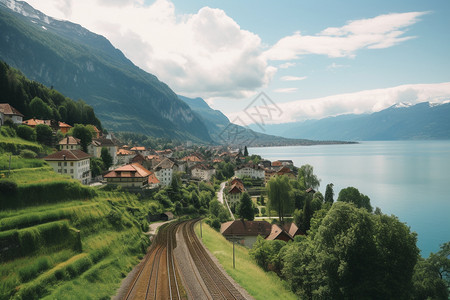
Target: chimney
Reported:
[(64, 156)]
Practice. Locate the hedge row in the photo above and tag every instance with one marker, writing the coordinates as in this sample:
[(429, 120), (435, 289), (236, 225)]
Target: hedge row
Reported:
[(18, 243), (40, 193)]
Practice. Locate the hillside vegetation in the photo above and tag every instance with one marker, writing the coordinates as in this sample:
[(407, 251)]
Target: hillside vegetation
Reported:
[(57, 236)]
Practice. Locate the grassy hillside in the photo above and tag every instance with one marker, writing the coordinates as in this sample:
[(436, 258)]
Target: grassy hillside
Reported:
[(69, 241), (257, 282)]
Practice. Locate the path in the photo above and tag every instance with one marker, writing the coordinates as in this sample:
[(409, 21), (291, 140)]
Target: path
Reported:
[(221, 199)]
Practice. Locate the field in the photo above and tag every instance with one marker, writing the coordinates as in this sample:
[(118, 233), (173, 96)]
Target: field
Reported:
[(257, 282)]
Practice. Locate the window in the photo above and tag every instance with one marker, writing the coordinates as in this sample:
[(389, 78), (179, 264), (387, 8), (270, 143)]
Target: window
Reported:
[(65, 170), (71, 171), (71, 163), (59, 164), (65, 163)]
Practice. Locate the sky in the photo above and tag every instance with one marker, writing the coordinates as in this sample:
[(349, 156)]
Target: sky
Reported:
[(311, 59)]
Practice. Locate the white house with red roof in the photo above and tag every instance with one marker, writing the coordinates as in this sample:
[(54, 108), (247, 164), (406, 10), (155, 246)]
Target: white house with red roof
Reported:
[(202, 172), (129, 176), (75, 163), (164, 171), (249, 170), (69, 143)]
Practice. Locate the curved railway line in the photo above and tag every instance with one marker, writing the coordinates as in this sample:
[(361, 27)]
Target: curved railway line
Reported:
[(159, 278)]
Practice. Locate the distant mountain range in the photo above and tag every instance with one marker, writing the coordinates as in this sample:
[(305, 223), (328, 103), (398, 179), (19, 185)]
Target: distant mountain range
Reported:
[(398, 122), (84, 65)]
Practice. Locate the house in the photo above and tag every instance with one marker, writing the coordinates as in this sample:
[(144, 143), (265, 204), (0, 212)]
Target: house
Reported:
[(75, 163), (192, 160), (202, 172), (286, 163), (310, 191), (249, 170), (95, 148), (235, 193), (265, 163), (2, 118), (292, 229), (69, 143), (165, 153), (124, 156), (140, 150), (97, 132), (129, 176), (153, 181), (164, 171), (245, 232), (54, 125), (277, 233), (238, 182), (10, 113)]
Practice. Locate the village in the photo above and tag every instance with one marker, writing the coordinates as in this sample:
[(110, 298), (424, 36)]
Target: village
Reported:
[(139, 169)]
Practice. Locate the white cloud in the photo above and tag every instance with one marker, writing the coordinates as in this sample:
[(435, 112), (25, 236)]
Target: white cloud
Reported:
[(367, 101), (285, 90), (206, 53), (292, 78), (287, 65), (379, 32), (335, 66)]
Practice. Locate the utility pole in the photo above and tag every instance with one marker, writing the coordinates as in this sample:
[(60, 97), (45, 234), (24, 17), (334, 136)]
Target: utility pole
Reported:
[(233, 256), (9, 171), (201, 232)]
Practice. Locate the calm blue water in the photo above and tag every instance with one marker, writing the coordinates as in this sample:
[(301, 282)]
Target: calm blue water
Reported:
[(410, 179)]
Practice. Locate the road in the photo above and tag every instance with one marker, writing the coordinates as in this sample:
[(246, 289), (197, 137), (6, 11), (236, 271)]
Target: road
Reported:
[(221, 199)]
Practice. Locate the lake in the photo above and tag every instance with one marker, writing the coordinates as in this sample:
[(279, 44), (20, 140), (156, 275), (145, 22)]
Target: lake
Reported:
[(410, 179)]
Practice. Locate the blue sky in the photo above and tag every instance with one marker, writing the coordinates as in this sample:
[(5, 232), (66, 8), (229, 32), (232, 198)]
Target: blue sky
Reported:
[(312, 58)]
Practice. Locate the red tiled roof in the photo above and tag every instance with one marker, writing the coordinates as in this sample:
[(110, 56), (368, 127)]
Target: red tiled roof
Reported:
[(124, 152), (152, 179), (236, 189), (191, 158), (34, 122), (130, 170), (138, 149), (69, 155), (245, 228), (64, 125), (276, 163), (7, 109)]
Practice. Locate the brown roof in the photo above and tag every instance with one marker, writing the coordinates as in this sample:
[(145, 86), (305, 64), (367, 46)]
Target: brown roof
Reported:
[(276, 163), (130, 170), (236, 189), (138, 149), (165, 164), (7, 109), (103, 142), (292, 229), (278, 234), (310, 190), (191, 158), (245, 228), (62, 124), (138, 158), (69, 140), (202, 167), (69, 155), (33, 122)]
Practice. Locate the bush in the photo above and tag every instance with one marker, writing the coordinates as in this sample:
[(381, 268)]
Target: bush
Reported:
[(26, 132), (25, 153), (8, 187), (8, 130)]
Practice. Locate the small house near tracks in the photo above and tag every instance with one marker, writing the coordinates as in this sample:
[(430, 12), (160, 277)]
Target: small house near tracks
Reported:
[(245, 232)]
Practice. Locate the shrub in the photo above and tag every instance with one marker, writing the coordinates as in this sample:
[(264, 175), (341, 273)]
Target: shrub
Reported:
[(8, 187), (26, 132), (25, 153), (8, 129)]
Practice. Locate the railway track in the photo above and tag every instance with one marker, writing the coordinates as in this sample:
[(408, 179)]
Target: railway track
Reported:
[(217, 284), (158, 278)]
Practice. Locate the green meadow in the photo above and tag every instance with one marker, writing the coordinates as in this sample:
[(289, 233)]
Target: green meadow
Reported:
[(257, 282)]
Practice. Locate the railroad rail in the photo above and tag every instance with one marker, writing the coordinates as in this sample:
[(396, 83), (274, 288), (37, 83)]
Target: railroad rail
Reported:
[(217, 284)]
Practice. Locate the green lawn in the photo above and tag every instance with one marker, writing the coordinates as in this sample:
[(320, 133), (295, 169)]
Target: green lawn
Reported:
[(259, 284)]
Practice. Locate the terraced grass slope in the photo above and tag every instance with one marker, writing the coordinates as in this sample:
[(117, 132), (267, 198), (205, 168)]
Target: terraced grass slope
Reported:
[(69, 241)]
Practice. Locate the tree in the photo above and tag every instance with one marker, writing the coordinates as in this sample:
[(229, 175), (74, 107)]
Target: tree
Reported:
[(352, 195), (44, 134), (245, 209), (307, 178), (84, 134), (97, 166), (245, 151), (26, 132), (278, 189), (40, 109), (106, 158), (329, 194)]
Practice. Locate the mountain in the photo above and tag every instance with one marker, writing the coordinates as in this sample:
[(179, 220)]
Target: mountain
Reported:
[(224, 132), (82, 64), (398, 122)]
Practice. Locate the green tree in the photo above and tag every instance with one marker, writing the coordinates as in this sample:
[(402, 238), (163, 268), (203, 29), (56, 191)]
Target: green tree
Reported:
[(106, 158), (26, 132), (278, 189), (44, 134), (245, 151), (329, 193), (40, 109), (307, 177), (97, 166), (352, 195), (245, 209), (84, 134)]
